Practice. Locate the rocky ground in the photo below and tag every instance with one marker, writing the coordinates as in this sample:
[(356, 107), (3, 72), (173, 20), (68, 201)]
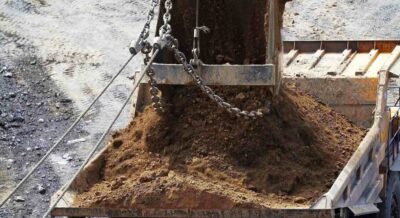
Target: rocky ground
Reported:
[(48, 75), (33, 113), (56, 56)]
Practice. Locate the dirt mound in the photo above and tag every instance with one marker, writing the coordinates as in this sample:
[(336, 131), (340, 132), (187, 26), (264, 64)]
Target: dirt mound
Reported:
[(199, 156)]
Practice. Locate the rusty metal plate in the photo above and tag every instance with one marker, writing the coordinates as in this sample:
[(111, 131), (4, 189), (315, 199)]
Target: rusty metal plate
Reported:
[(231, 75), (338, 46)]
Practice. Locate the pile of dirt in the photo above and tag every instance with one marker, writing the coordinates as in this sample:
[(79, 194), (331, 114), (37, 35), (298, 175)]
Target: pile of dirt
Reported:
[(198, 156)]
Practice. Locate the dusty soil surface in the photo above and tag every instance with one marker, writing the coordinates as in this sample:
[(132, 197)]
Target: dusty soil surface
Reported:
[(341, 19), (198, 156), (77, 46)]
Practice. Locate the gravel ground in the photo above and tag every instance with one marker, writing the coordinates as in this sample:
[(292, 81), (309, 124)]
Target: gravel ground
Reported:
[(33, 112), (55, 58), (342, 19), (57, 55)]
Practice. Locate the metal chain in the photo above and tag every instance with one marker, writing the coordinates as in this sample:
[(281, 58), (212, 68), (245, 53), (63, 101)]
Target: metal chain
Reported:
[(166, 28), (172, 44), (137, 45), (146, 49), (154, 91), (146, 30)]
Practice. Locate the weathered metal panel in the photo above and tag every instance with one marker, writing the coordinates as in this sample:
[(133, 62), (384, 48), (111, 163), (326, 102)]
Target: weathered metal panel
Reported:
[(377, 136), (373, 196), (182, 213), (396, 165), (373, 54), (345, 59), (317, 57), (340, 91), (353, 97), (339, 46), (360, 210), (394, 56), (291, 56), (233, 75), (370, 174)]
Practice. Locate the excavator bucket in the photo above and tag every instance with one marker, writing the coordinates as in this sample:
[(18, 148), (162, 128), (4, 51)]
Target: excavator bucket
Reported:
[(241, 46)]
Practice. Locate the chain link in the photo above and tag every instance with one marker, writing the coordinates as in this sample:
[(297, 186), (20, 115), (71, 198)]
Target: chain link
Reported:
[(154, 91), (137, 45), (146, 29), (172, 44), (166, 28)]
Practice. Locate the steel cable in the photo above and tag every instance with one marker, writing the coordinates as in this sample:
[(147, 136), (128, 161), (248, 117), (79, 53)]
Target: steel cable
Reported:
[(65, 134), (67, 185)]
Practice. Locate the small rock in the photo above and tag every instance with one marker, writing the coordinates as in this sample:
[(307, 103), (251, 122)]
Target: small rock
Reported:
[(41, 190), (332, 73), (74, 141), (8, 75), (41, 120), (300, 200), (12, 95), (67, 157), (12, 161), (66, 101), (28, 149), (19, 199), (18, 118), (33, 62), (147, 177), (240, 96)]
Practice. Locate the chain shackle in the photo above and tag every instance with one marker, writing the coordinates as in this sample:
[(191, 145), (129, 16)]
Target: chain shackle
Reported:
[(137, 45)]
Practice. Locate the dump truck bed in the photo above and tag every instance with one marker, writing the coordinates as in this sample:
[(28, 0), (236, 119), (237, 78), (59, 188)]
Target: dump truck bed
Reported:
[(348, 85)]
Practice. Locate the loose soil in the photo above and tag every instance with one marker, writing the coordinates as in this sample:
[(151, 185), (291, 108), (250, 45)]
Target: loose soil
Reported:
[(200, 157)]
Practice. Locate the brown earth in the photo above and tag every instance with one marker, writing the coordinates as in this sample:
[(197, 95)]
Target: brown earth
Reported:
[(200, 157)]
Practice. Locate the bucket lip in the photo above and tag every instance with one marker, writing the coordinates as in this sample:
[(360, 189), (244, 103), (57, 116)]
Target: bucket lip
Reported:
[(154, 212)]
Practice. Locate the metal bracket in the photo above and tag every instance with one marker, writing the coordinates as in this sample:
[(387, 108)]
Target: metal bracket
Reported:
[(360, 210), (234, 75)]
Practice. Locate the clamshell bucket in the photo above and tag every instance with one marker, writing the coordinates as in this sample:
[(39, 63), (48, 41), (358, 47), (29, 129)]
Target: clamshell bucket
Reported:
[(242, 45)]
